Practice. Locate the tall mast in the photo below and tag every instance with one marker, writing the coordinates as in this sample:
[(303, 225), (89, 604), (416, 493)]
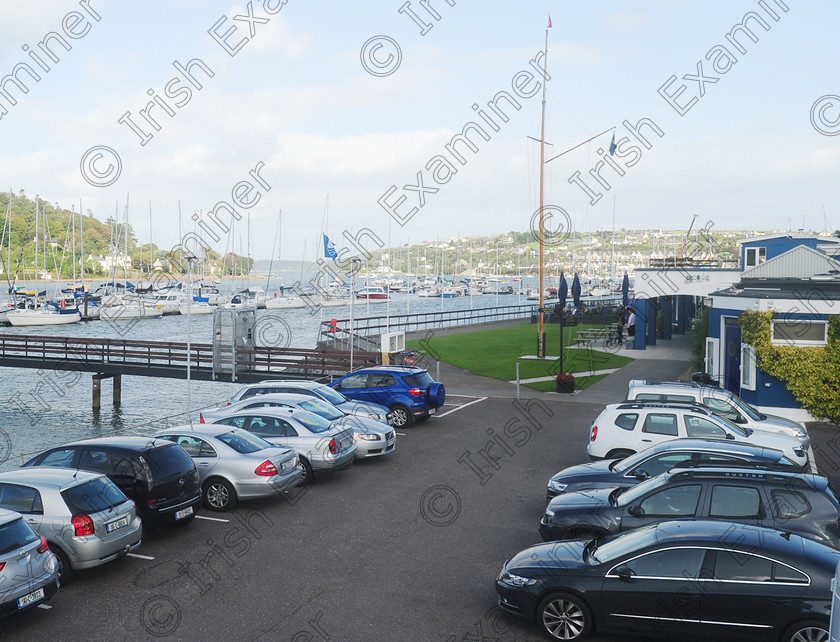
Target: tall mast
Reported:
[(541, 335), (82, 242)]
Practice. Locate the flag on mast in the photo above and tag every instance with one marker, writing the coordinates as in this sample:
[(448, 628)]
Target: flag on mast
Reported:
[(549, 21), (612, 145), (329, 248)]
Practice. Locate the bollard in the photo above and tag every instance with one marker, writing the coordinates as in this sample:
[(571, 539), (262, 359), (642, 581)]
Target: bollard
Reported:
[(517, 380), (437, 371)]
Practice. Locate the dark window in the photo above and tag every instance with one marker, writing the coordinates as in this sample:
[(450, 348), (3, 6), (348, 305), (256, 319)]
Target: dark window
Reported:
[(627, 420), (734, 566), (379, 380), (661, 424), (236, 422), (722, 408), (126, 472), (680, 398), (702, 428), (678, 563), (788, 504), (22, 499), (253, 392), (190, 444), (286, 429), (265, 427), (784, 573), (648, 396), (95, 460), (93, 497), (168, 461), (62, 458), (658, 465), (735, 501), (419, 380), (679, 501), (15, 535)]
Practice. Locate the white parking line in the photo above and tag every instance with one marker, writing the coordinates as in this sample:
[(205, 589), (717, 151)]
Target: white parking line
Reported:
[(212, 519), (139, 557), (44, 606), (463, 406), (399, 433)]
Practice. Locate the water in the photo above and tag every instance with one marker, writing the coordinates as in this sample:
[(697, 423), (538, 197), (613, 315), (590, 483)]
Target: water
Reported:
[(45, 408)]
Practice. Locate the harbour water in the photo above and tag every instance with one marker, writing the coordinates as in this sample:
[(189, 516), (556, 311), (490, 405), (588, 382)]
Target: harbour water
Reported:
[(47, 407)]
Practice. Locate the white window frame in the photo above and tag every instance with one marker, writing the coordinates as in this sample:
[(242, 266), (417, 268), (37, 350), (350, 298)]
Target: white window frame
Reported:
[(799, 342), (748, 369), (712, 358), (757, 258)]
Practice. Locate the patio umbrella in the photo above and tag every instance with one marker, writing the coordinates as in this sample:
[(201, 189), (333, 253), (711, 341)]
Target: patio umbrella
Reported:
[(625, 291), (576, 292), (562, 292)]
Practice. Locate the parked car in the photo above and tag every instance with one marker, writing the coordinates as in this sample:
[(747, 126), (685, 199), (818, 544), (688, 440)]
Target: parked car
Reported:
[(410, 393), (687, 579), (234, 464), (373, 438), (795, 502), (321, 445), (720, 401), (626, 428), (161, 479), (374, 411), (653, 461), (86, 520), (28, 569)]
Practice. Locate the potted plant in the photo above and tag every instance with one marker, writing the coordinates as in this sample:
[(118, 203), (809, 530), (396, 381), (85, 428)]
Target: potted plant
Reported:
[(565, 382)]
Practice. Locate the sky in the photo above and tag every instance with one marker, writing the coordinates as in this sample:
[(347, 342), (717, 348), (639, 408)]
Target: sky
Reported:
[(336, 107)]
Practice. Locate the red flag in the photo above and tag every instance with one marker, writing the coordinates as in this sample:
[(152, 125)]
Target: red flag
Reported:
[(549, 21)]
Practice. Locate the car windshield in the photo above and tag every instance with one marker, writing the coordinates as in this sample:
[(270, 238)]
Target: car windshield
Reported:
[(15, 535), (627, 463), (615, 546), (169, 460), (625, 496), (93, 497), (313, 422), (243, 441), (741, 430), (748, 409), (322, 409), (333, 396), (419, 380)]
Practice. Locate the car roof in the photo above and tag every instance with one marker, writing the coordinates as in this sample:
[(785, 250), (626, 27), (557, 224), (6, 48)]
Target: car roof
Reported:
[(46, 476), (300, 383), (731, 535), (7, 516), (291, 397), (649, 383), (207, 430), (398, 369), (712, 445), (136, 443), (755, 471), (636, 404)]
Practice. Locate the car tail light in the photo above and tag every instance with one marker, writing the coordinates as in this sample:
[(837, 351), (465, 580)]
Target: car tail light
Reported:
[(200, 418), (2, 565), (44, 547), (228, 403), (417, 392), (594, 435), (333, 447), (266, 469), (83, 525)]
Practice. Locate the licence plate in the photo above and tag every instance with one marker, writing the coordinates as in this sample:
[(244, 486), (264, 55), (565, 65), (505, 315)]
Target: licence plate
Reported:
[(432, 411), (110, 527), (26, 600), (186, 512)]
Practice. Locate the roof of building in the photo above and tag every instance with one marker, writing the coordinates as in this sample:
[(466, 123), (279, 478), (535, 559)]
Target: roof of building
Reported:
[(770, 237), (800, 262)]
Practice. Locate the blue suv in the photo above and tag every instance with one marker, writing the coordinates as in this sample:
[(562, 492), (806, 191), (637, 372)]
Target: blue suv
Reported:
[(410, 393)]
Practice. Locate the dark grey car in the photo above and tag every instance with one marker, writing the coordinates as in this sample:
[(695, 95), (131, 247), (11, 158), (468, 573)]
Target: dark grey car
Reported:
[(653, 461), (801, 503)]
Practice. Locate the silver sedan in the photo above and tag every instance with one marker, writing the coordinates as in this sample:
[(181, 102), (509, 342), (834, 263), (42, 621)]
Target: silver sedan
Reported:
[(321, 445), (234, 464), (373, 438), (85, 518)]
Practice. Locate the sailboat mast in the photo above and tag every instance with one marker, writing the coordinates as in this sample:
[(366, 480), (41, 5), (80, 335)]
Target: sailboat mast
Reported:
[(82, 242), (541, 335), (36, 246)]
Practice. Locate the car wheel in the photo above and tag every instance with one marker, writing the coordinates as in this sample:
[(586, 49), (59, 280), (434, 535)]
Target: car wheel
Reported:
[(402, 417), (810, 631), (565, 617), (65, 571), (308, 475), (219, 495), (619, 454)]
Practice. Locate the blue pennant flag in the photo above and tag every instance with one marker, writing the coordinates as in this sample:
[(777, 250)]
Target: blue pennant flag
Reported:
[(612, 145), (329, 248)]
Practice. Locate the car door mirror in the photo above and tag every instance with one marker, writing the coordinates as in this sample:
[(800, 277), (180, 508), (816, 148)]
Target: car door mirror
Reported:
[(642, 474), (624, 572), (729, 435), (636, 511)]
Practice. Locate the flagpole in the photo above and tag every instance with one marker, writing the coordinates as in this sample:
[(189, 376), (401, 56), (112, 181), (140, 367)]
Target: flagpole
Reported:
[(541, 335)]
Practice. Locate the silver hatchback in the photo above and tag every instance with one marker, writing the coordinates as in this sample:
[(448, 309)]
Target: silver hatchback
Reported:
[(28, 570), (86, 520), (322, 445), (234, 464)]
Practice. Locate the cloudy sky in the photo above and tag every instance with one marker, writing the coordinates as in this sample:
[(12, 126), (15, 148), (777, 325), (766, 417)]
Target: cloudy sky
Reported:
[(338, 102)]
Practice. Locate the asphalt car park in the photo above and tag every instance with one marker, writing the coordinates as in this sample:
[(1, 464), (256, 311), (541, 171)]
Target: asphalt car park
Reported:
[(401, 547)]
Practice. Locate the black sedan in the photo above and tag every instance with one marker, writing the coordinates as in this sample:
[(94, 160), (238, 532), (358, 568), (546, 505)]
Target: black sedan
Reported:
[(704, 580), (657, 459)]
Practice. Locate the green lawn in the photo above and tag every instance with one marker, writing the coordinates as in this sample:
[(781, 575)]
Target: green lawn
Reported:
[(494, 353)]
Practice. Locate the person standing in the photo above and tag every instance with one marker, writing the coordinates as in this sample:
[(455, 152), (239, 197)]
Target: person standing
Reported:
[(631, 323)]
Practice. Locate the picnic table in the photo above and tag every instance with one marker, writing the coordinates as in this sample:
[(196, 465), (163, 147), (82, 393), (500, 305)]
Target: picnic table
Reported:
[(597, 334)]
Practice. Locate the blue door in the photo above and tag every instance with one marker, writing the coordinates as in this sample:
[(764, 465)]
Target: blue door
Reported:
[(732, 356)]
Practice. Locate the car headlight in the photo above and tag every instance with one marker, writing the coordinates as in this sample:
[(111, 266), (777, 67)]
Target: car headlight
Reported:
[(799, 452), (556, 486), (368, 436), (516, 580)]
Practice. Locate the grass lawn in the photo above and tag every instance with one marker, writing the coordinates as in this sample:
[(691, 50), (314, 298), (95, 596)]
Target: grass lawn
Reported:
[(494, 353)]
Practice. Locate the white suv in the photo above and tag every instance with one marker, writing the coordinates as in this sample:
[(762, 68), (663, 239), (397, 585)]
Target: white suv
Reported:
[(629, 427)]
